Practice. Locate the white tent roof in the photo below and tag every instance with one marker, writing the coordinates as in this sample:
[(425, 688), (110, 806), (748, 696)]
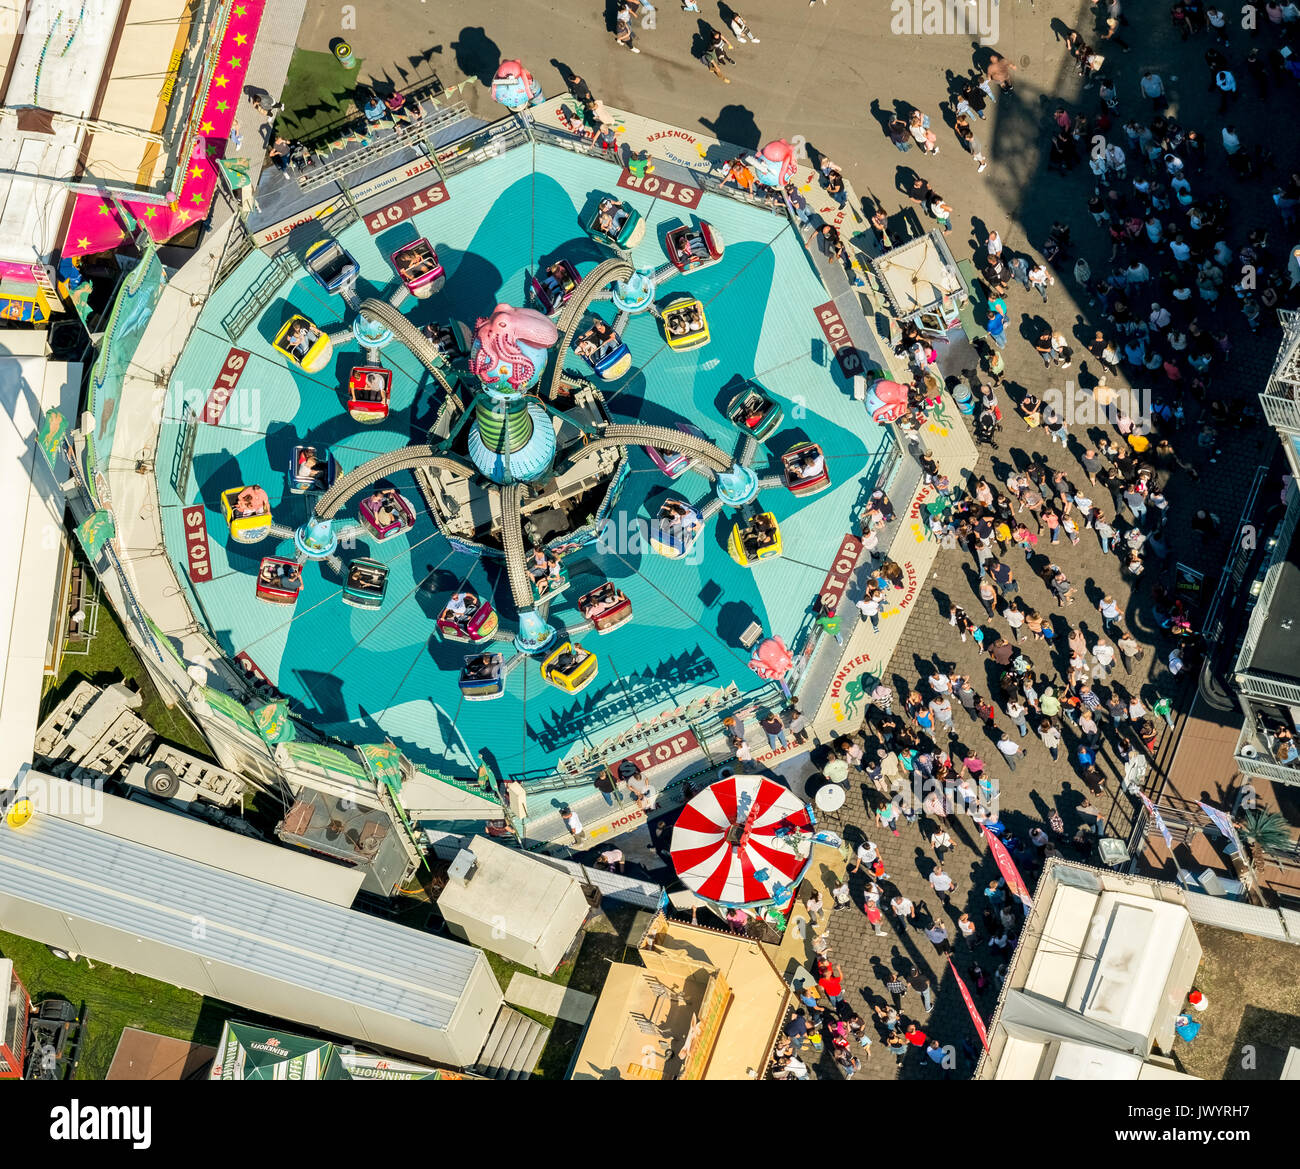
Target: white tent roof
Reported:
[(29, 385)]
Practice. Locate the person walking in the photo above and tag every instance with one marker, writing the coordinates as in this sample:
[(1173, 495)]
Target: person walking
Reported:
[(1110, 614), (904, 911), (1051, 737), (1040, 279), (741, 29), (623, 33), (941, 882), (1017, 714), (1010, 750)]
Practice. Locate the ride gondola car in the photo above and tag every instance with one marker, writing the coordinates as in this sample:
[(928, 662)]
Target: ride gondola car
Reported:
[(570, 667), (617, 223), (685, 325), (674, 463), (467, 617), (386, 514), (333, 268), (370, 389), (303, 344), (553, 286), (805, 470), (603, 349), (279, 580), (675, 529), (418, 266), (483, 677), (366, 584), (692, 248), (755, 411), (605, 607), (311, 469), (248, 513), (550, 578), (757, 539), (452, 340)]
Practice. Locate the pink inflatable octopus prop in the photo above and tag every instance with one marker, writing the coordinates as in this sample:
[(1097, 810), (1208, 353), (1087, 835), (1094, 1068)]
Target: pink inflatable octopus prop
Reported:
[(887, 401), (510, 345), (771, 659)]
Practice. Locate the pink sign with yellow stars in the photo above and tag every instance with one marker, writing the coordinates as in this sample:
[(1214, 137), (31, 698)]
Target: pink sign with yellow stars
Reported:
[(96, 225)]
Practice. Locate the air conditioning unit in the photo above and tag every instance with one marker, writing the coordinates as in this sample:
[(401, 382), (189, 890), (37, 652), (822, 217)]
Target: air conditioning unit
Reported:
[(463, 867)]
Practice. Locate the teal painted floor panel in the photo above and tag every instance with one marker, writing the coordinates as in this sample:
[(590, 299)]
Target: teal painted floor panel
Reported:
[(364, 674)]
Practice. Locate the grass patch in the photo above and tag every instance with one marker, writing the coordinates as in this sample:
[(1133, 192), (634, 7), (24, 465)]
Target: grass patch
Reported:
[(317, 94), (115, 999), (111, 659)]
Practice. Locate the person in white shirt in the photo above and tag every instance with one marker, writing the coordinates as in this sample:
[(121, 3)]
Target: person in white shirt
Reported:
[(1010, 749), (903, 909), (941, 882), (940, 683), (572, 823), (1104, 654)]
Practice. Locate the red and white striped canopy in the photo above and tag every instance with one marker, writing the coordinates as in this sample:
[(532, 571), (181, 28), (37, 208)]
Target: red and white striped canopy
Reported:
[(732, 843)]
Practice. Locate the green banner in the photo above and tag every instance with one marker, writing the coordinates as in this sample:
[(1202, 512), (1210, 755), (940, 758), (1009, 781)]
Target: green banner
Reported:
[(54, 429), (95, 532), (383, 762), (274, 723), (236, 171)]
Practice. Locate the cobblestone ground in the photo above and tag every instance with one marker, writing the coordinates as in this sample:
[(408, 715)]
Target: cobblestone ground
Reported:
[(1226, 468)]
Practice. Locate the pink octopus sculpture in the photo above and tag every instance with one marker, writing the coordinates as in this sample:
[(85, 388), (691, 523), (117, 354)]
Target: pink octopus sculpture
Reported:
[(510, 346)]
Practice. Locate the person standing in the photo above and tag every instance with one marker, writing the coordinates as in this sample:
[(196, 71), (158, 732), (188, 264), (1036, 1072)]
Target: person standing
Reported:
[(896, 985), (938, 935), (572, 823), (775, 730), (903, 910), (832, 984), (919, 983), (798, 724)]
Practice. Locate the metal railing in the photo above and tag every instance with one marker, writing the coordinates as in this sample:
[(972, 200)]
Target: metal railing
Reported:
[(413, 135), (259, 295)]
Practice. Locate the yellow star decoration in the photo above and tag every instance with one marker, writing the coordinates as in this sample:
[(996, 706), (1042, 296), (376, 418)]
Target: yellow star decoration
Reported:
[(83, 242), (220, 81), (196, 172), (183, 216), (241, 38), (235, 63), (222, 107), (206, 128)]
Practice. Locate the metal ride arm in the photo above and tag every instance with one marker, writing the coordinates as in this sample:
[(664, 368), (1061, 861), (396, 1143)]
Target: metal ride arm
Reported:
[(512, 540), (661, 437), (381, 467), (571, 314), (422, 349)]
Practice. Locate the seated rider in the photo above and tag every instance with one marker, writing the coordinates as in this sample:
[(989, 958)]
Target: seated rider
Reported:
[(694, 320), (677, 325), (382, 504), (309, 466), (247, 504), (414, 262), (371, 389), (460, 604), (483, 666), (812, 465), (301, 338)]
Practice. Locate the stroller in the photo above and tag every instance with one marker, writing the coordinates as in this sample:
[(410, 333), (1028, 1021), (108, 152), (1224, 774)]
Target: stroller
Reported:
[(986, 426)]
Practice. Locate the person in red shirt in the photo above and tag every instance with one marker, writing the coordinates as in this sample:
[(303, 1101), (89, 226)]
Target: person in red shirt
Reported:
[(915, 1036), (832, 984)]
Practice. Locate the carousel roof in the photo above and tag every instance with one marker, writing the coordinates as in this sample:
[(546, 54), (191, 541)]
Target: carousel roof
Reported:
[(732, 844)]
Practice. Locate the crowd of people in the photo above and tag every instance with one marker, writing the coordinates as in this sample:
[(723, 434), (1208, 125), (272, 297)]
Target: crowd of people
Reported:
[(1064, 678)]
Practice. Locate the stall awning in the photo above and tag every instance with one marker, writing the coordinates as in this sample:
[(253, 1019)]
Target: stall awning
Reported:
[(97, 225)]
